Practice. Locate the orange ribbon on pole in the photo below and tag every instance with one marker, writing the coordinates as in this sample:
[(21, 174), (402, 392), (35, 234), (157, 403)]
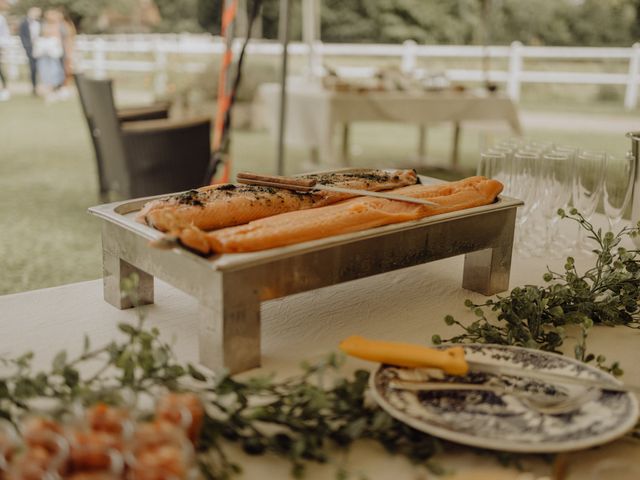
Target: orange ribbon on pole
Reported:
[(225, 88)]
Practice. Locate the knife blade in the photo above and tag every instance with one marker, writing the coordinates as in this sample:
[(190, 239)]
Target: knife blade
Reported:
[(549, 377), (453, 362), (367, 193), (305, 185)]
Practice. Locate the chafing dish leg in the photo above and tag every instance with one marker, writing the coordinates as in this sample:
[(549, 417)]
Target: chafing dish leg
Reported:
[(487, 271), (114, 271), (229, 330)]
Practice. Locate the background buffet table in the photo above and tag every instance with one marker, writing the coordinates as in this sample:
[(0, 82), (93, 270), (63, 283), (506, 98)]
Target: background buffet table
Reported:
[(313, 113), (405, 305)]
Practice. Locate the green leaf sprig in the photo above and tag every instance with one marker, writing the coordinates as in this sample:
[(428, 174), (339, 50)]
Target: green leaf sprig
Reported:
[(302, 419), (537, 316), (138, 363)]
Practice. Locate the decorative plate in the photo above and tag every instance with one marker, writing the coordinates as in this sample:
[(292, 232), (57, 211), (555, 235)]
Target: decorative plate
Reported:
[(501, 421)]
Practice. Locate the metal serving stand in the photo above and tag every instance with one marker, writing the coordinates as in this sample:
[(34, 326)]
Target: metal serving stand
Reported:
[(230, 287)]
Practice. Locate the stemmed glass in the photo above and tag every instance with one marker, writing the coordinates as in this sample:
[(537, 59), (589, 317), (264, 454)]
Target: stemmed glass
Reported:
[(494, 164), (536, 223), (160, 451), (588, 182), (8, 445), (525, 182), (618, 185), (44, 455), (555, 192), (546, 177)]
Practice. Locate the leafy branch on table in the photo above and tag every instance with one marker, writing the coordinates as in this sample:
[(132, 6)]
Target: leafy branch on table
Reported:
[(302, 419), (535, 316)]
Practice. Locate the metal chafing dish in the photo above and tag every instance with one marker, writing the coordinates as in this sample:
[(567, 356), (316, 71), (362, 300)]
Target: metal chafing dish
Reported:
[(230, 287)]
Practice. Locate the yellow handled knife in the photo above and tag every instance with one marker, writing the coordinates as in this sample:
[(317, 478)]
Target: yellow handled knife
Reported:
[(452, 361)]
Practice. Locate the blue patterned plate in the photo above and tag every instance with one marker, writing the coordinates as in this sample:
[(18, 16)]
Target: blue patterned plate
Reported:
[(502, 422)]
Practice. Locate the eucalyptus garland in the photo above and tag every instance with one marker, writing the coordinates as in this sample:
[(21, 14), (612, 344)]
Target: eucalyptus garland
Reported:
[(537, 316), (301, 419), (304, 418)]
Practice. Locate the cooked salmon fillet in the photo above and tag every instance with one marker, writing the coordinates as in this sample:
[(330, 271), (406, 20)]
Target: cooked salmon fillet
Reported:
[(347, 216), (226, 205)]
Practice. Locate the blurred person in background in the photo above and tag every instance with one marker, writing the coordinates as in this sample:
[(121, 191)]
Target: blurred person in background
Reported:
[(29, 31), (48, 51), (4, 39), (68, 42)]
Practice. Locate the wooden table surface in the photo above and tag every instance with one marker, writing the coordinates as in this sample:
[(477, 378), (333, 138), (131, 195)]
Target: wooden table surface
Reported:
[(405, 305)]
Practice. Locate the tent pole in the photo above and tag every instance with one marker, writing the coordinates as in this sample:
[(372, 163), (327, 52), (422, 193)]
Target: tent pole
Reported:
[(283, 30), (311, 33)]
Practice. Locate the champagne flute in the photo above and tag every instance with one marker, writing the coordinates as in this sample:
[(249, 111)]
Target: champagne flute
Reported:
[(525, 182), (588, 183), (513, 142), (160, 451), (541, 145), (556, 179), (494, 164), (572, 153), (618, 186), (44, 455), (536, 223), (8, 445)]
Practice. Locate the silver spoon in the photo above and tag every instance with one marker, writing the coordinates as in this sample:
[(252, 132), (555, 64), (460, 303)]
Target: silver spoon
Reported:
[(545, 404)]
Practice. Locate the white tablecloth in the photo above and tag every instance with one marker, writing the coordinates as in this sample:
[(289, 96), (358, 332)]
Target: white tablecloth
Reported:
[(313, 113), (405, 305)]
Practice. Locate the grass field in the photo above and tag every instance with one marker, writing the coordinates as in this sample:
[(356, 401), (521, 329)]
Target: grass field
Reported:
[(48, 179)]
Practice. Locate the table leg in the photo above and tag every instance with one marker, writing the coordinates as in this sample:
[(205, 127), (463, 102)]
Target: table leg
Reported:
[(487, 271), (455, 146), (344, 160), (229, 330), (422, 144), (114, 271)]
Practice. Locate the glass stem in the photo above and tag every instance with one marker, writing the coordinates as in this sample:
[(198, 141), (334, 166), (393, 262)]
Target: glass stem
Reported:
[(548, 234)]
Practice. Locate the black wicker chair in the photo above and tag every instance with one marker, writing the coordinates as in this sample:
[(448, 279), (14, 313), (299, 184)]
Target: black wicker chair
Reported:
[(139, 152)]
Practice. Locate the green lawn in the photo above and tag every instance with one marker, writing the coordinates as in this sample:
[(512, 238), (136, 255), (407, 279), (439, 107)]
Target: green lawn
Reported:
[(47, 181), (46, 184)]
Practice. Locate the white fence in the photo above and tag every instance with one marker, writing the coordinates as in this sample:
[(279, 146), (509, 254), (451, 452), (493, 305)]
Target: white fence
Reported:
[(104, 53)]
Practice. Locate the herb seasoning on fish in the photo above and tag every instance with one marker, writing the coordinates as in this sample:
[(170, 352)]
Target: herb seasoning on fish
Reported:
[(220, 206), (192, 197)]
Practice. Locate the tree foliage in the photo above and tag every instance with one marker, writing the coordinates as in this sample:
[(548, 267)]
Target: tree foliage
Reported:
[(179, 15), (83, 13), (209, 15), (540, 22), (533, 22)]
